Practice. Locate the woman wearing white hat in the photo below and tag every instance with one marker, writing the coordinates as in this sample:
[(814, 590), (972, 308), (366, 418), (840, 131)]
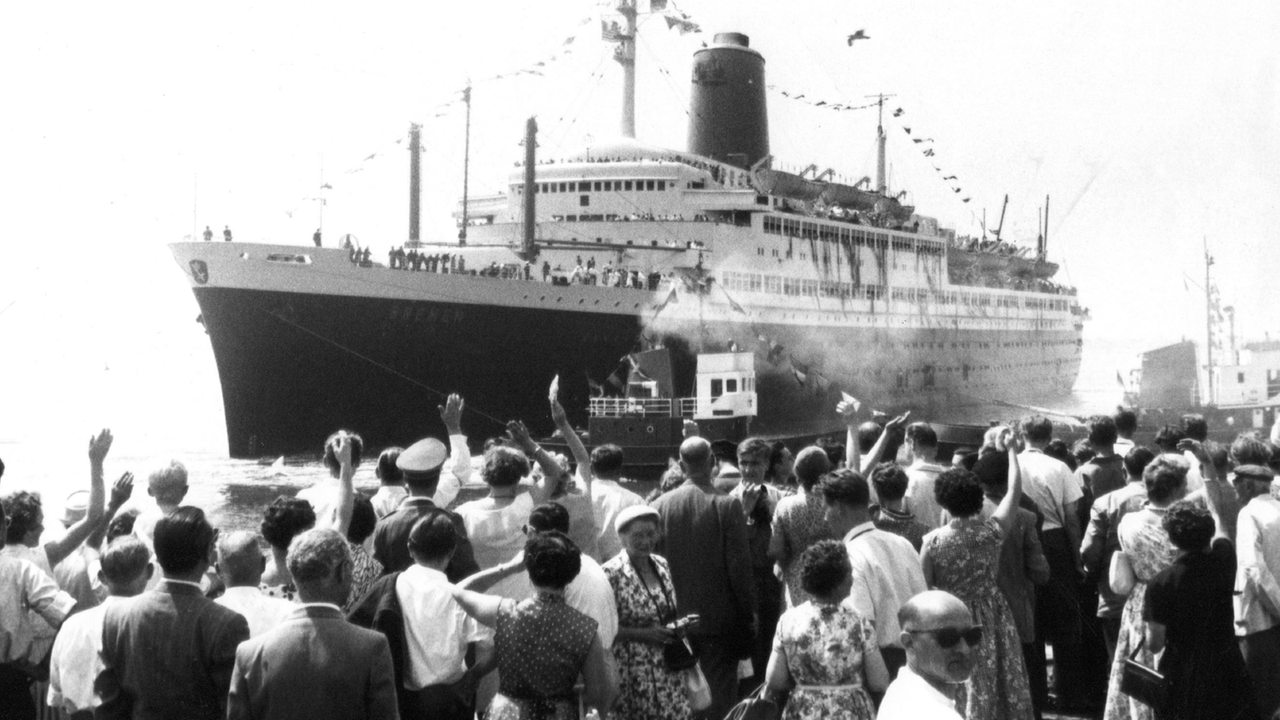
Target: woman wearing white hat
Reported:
[(646, 601)]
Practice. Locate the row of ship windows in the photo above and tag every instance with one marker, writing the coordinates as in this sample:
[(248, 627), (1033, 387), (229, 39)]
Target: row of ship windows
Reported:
[(599, 186), (807, 230), (780, 285)]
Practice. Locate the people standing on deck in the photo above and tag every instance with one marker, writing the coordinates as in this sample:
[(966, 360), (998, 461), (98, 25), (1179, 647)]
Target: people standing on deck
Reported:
[(226, 233), (315, 237), (208, 234)]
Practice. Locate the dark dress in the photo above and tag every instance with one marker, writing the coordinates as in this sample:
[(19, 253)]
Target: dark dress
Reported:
[(541, 644), (1206, 672)]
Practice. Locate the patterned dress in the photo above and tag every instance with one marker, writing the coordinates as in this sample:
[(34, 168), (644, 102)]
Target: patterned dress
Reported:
[(798, 523), (542, 645), (647, 689), (364, 572), (1144, 540), (824, 644), (966, 560)]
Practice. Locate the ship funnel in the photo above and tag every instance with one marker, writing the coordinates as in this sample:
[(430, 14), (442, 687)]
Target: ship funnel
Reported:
[(728, 119)]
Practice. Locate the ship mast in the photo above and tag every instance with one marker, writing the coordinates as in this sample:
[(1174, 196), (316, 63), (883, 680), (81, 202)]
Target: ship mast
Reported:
[(466, 166), (415, 181), (625, 54), (529, 248), (881, 185), (1208, 325)]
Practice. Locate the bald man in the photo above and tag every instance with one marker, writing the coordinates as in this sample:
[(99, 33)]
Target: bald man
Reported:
[(240, 565), (711, 570), (940, 638)]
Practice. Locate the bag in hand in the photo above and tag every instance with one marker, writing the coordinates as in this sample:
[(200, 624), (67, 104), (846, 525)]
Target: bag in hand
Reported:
[(1142, 683), (756, 706)]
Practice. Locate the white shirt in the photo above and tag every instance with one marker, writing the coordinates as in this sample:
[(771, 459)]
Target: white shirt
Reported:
[(43, 631), (1050, 484), (589, 593), (920, 498), (27, 591), (911, 697), (495, 533), (886, 573), (76, 662), (609, 499), (436, 629), (1257, 588), (387, 499), (262, 612)]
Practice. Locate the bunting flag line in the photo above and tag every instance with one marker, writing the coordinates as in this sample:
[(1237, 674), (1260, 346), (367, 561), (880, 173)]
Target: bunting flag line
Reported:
[(825, 104)]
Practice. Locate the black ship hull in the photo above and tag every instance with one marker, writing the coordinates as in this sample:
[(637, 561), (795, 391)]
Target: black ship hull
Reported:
[(296, 366)]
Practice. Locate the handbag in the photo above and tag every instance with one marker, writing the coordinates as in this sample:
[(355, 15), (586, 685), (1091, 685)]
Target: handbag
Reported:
[(1142, 683), (696, 688), (677, 656), (756, 706)]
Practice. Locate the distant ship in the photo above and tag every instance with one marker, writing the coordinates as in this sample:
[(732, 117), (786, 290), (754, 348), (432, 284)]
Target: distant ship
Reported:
[(1236, 388), (583, 261)]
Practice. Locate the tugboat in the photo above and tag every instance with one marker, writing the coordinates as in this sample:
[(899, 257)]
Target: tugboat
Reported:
[(649, 421)]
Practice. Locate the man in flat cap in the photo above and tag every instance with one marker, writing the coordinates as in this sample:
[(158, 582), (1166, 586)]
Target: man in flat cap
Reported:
[(420, 463), (1257, 590)]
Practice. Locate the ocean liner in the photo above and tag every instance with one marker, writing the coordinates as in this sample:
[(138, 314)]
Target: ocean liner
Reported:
[(583, 262)]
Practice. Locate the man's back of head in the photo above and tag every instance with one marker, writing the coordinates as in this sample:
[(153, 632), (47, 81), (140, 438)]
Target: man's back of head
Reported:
[(320, 562), (240, 559), (126, 566), (433, 539), (696, 459), (606, 462), (1136, 461), (168, 485), (1038, 430), (1102, 432), (923, 441), (1126, 422), (183, 543), (1168, 437)]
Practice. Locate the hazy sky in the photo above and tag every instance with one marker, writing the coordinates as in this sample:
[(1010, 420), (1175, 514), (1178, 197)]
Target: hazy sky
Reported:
[(1152, 125)]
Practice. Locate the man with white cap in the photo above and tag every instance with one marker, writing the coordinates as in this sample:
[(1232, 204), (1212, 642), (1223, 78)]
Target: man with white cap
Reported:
[(941, 640), (1257, 589), (420, 463)]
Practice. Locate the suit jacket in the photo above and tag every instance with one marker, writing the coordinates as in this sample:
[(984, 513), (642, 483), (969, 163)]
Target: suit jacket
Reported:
[(391, 539), (313, 666), (168, 653), (704, 539)]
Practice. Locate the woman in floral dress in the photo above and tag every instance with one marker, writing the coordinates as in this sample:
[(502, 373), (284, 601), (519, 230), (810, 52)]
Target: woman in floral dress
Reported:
[(798, 521), (646, 602), (963, 558), (824, 652), (1145, 550)]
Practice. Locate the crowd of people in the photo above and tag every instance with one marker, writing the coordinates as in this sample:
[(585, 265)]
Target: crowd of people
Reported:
[(869, 579)]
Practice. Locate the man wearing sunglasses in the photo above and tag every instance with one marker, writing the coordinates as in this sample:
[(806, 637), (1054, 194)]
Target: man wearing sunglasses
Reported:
[(940, 639)]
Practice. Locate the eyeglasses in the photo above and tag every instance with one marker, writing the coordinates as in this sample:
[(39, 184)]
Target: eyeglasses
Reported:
[(949, 637)]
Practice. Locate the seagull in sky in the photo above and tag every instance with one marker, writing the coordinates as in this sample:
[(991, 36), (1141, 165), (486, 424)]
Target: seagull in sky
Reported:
[(858, 35)]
